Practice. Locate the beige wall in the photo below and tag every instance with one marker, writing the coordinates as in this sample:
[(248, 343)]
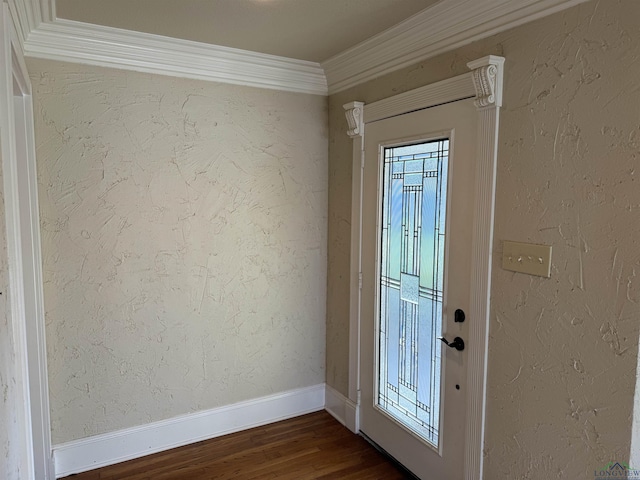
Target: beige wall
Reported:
[(10, 434), (184, 244), (562, 356)]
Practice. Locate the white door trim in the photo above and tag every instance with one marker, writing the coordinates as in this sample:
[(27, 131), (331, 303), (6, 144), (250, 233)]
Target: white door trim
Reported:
[(23, 250), (484, 83), (355, 119)]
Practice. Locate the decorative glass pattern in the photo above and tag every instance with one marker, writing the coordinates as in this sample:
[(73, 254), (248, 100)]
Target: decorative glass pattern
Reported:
[(411, 283)]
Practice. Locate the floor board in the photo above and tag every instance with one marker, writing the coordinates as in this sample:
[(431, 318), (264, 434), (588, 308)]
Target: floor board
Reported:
[(310, 447)]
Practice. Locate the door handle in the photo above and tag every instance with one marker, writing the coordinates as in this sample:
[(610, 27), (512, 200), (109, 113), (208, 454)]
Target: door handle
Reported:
[(457, 343)]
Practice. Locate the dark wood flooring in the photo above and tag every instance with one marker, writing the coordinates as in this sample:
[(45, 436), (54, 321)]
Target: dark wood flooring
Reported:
[(313, 446)]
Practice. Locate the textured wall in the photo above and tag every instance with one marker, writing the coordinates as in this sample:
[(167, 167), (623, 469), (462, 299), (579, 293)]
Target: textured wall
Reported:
[(562, 355), (184, 244), (9, 428)]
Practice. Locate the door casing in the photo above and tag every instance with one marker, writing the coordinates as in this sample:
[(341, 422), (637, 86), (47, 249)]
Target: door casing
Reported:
[(24, 255), (484, 83)]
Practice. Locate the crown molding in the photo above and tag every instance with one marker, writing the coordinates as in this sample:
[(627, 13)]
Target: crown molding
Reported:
[(47, 9), (447, 25), (26, 16), (78, 42)]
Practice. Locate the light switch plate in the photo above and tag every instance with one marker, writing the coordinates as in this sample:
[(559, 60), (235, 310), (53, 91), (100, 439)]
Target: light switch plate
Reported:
[(527, 258)]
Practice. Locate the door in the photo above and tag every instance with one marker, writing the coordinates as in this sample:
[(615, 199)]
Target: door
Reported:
[(417, 224)]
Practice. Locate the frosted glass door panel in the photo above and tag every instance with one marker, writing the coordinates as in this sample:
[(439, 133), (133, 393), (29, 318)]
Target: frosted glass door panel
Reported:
[(412, 239)]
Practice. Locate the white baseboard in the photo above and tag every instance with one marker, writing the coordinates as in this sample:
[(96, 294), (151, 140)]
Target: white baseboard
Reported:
[(342, 409), (334, 403), (352, 416), (110, 448)]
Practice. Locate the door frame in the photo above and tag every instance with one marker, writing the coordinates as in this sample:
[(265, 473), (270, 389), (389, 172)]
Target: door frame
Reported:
[(484, 83), (24, 254)]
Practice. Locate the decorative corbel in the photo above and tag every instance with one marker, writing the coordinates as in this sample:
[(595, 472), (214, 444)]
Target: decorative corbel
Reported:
[(354, 113), (487, 73)]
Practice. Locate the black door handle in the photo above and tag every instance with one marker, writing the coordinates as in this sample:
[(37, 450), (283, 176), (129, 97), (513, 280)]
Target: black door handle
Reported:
[(457, 343)]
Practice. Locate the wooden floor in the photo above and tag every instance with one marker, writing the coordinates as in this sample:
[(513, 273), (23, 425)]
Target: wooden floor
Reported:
[(313, 446)]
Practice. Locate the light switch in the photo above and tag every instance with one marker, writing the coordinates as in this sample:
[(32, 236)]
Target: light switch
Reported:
[(527, 258)]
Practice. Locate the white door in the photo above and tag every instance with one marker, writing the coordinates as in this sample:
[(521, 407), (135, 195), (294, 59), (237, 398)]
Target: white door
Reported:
[(417, 223)]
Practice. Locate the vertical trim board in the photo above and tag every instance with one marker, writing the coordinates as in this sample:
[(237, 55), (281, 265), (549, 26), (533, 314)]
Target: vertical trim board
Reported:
[(479, 307), (487, 74), (354, 112), (12, 224), (23, 251)]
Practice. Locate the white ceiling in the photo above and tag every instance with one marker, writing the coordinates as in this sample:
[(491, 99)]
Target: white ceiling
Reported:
[(313, 30)]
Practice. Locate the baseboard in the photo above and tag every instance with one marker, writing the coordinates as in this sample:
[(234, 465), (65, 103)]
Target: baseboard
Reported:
[(334, 403), (102, 450), (352, 416), (342, 409)]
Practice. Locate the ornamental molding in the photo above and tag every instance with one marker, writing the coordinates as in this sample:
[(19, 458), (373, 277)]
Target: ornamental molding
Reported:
[(487, 74), (354, 111)]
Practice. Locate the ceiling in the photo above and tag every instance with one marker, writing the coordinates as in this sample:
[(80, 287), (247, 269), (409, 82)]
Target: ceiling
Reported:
[(313, 30)]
